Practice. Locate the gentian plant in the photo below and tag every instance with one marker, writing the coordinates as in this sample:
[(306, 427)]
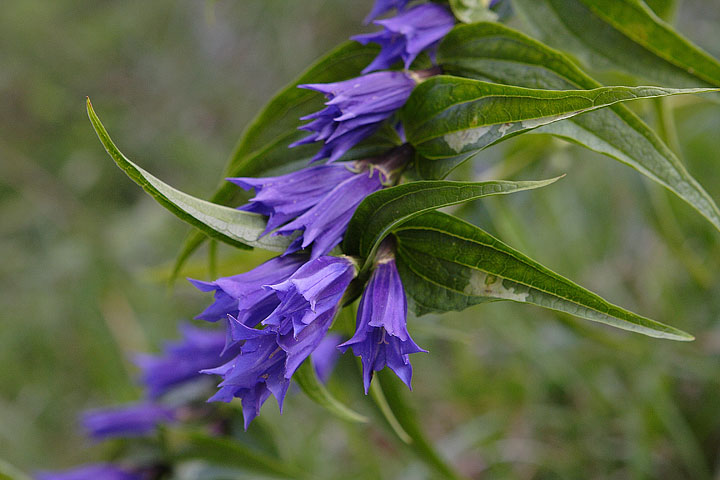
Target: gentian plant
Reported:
[(352, 209)]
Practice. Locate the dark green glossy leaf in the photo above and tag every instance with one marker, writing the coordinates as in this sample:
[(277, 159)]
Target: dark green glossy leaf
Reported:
[(237, 228), (263, 147), (448, 116), (306, 377), (226, 452), (623, 34), (448, 264), (384, 210), (493, 52)]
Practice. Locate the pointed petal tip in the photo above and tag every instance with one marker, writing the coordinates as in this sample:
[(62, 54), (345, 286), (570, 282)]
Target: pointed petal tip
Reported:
[(247, 421), (201, 284)]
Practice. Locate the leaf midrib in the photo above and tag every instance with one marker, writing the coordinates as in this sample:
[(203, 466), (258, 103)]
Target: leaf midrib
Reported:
[(593, 107), (424, 210), (534, 268)]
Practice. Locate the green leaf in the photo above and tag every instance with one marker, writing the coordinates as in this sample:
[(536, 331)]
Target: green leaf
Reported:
[(382, 405), (493, 52), (448, 116), (237, 228), (263, 148), (448, 264), (276, 126), (226, 452), (306, 377), (8, 472), (384, 210), (664, 9), (624, 34), (471, 11), (386, 391)]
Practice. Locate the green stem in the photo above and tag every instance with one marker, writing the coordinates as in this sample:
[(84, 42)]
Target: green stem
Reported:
[(378, 397), (404, 413), (212, 259), (667, 222), (666, 125)]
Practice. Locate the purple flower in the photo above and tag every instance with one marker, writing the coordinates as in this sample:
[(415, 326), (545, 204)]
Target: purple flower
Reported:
[(407, 34), (315, 289), (325, 223), (354, 110), (97, 471), (288, 196), (266, 363), (243, 295), (254, 374), (126, 421), (381, 337), (322, 205), (325, 356), (299, 347), (308, 301), (383, 6), (182, 361)]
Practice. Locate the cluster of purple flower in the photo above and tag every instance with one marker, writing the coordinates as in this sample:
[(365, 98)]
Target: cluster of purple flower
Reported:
[(280, 313), (178, 365), (356, 107), (181, 363), (294, 297)]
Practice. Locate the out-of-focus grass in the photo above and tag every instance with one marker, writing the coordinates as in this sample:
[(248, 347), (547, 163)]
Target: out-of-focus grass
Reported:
[(175, 83), (507, 391)]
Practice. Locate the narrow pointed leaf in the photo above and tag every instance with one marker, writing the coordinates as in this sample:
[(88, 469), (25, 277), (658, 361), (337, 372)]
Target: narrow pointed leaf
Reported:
[(623, 34), (448, 116), (405, 423), (8, 472), (382, 405), (448, 264), (237, 228), (306, 377), (496, 53), (263, 147), (223, 451), (664, 9), (276, 126), (384, 210)]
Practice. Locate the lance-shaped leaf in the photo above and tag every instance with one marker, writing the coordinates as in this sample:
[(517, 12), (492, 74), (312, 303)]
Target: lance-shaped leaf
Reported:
[(623, 34), (493, 52), (384, 210), (664, 9), (263, 147), (306, 377), (387, 393), (448, 116), (8, 472), (237, 228), (264, 144), (226, 452), (448, 264)]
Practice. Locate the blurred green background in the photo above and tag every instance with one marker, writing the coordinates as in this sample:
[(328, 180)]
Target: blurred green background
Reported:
[(507, 391)]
